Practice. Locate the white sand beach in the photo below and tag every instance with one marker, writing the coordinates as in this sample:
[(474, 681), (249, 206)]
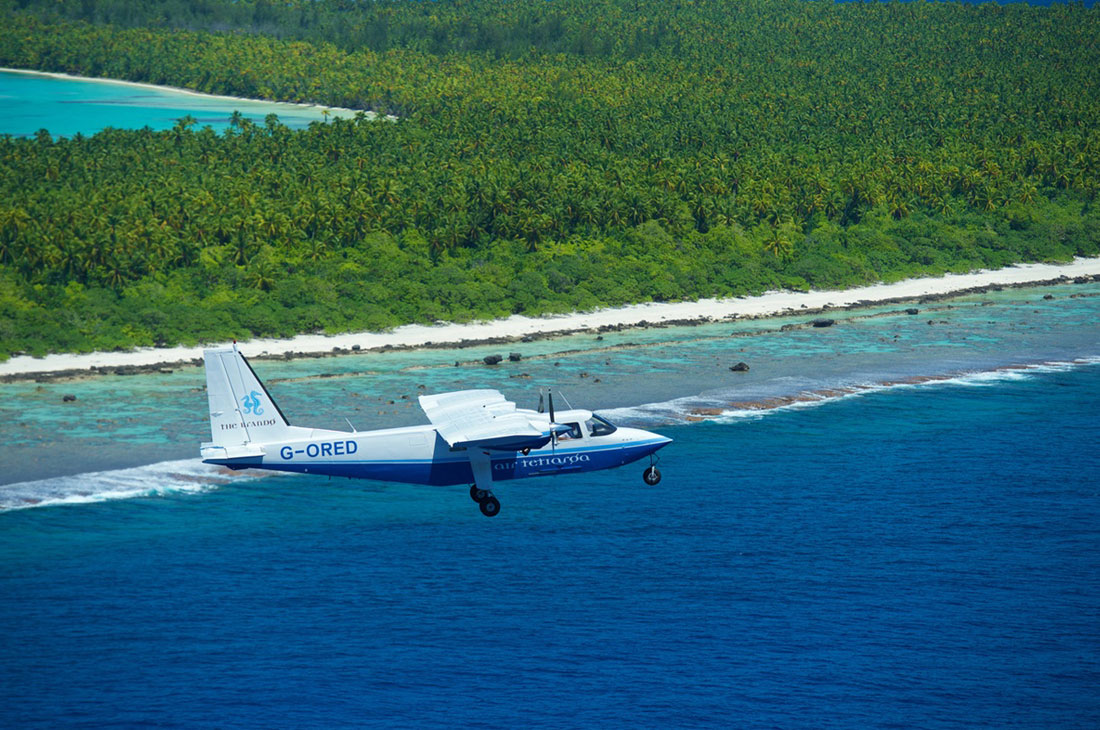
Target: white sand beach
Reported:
[(517, 326)]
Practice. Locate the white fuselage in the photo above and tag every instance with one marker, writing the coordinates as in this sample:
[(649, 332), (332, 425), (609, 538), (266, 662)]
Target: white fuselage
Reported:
[(417, 454)]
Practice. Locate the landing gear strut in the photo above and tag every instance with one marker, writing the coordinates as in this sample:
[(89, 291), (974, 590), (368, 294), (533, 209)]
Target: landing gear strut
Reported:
[(489, 504)]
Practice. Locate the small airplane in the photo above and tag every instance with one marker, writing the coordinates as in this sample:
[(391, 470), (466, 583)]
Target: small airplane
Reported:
[(475, 437)]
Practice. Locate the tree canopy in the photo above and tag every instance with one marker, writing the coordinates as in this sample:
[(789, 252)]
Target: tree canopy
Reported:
[(545, 156)]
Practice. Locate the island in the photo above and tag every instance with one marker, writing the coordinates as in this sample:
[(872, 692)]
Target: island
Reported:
[(536, 158)]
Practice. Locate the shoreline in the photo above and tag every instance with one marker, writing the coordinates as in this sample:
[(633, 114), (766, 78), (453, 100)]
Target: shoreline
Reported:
[(184, 91), (519, 327)]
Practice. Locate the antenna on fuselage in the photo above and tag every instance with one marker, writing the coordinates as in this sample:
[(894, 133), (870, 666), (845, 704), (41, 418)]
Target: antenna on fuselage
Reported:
[(353, 428)]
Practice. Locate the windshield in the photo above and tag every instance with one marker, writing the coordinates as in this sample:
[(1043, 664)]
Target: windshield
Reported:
[(599, 426)]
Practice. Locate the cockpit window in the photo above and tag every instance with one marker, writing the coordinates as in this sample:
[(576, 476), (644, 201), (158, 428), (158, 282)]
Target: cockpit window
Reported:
[(599, 426)]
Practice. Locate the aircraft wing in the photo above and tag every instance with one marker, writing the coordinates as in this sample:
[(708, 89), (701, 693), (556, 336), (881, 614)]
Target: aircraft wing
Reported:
[(483, 418)]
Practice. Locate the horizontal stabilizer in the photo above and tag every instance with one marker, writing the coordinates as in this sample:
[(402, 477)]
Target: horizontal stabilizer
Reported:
[(485, 419), (222, 454)]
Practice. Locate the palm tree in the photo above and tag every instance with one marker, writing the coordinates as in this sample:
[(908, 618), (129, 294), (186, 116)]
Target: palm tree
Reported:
[(261, 272), (779, 242)]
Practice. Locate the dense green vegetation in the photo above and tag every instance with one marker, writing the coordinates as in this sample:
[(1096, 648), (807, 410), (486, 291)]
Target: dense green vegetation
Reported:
[(548, 156)]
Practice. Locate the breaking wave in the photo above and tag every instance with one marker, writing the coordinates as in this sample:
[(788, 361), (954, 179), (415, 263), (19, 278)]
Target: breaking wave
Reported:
[(720, 409), (152, 480)]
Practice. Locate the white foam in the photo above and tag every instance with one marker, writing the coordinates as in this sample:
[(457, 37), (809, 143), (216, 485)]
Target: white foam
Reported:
[(983, 379), (166, 477), (698, 408), (672, 411), (1022, 372)]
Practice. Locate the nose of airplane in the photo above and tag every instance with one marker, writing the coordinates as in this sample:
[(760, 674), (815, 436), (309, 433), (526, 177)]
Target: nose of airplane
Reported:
[(659, 441)]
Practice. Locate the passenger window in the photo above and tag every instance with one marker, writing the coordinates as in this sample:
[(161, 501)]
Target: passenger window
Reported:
[(574, 432)]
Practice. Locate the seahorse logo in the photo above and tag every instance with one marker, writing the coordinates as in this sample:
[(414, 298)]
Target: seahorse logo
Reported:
[(251, 403)]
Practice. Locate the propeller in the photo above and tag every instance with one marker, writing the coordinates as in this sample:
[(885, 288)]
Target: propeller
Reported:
[(546, 399), (553, 431)]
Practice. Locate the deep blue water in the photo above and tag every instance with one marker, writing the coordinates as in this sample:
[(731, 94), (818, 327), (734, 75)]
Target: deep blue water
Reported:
[(902, 555), (927, 558)]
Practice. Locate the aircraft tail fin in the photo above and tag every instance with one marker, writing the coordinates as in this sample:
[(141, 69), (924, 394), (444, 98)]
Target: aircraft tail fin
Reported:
[(241, 409)]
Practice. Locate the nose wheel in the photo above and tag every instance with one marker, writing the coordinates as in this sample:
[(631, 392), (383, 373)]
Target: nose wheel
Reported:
[(489, 504), (651, 476)]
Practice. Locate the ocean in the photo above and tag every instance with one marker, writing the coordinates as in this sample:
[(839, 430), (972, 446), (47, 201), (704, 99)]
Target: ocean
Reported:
[(890, 522)]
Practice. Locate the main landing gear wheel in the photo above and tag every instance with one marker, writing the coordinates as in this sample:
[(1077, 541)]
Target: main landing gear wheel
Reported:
[(490, 506), (651, 476)]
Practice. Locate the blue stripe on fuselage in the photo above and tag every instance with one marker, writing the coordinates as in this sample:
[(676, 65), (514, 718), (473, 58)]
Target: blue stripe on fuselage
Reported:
[(456, 470)]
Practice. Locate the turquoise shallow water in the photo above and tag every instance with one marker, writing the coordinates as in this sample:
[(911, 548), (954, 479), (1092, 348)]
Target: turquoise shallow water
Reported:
[(917, 553), (67, 106)]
